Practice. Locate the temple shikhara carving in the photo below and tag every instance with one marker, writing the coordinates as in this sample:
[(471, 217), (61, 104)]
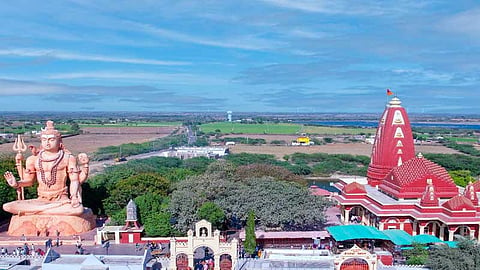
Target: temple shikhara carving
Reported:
[(407, 191), (58, 208)]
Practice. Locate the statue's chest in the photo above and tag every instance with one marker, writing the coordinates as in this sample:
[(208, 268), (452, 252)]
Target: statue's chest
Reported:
[(50, 165)]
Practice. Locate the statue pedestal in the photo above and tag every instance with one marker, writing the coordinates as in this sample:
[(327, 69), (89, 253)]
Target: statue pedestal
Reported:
[(50, 225)]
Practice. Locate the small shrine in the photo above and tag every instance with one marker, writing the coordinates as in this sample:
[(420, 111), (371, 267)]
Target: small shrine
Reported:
[(130, 233), (203, 246), (132, 218)]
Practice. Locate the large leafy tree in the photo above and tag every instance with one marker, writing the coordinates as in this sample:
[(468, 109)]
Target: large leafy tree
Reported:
[(466, 256), (260, 170), (190, 194), (418, 255), (134, 186), (153, 214), (276, 203), (213, 213)]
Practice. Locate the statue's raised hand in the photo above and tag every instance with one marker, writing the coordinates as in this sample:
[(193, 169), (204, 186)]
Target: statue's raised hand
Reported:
[(10, 179)]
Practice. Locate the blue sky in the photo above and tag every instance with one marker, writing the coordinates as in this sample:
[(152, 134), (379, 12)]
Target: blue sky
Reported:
[(270, 55)]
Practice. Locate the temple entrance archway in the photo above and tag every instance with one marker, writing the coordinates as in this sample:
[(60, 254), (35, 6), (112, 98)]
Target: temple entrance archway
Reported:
[(202, 246), (355, 264), (355, 259)]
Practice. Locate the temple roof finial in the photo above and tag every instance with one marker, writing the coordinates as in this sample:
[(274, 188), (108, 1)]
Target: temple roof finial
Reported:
[(394, 102)]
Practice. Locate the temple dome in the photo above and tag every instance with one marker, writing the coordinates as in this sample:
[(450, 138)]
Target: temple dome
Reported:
[(410, 179), (458, 203), (354, 188)]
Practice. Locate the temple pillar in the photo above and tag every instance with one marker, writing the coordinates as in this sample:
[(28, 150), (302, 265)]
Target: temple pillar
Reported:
[(434, 229), (421, 229), (346, 216), (414, 228), (478, 236), (450, 234), (402, 225), (216, 259), (442, 232), (381, 225), (191, 262), (364, 220), (472, 233)]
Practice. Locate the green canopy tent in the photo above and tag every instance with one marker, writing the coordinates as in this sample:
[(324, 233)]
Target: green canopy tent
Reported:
[(355, 232), (399, 237), (426, 239)]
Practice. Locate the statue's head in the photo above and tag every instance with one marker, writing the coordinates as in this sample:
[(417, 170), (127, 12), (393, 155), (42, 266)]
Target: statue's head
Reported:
[(51, 138)]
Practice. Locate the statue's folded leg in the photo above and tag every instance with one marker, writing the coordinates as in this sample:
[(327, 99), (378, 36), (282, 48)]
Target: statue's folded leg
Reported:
[(37, 207)]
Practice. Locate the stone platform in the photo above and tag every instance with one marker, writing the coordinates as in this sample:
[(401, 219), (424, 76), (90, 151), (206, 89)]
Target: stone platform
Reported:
[(51, 225)]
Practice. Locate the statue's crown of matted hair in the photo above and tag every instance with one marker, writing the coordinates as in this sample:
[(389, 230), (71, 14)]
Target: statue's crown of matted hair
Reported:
[(50, 129)]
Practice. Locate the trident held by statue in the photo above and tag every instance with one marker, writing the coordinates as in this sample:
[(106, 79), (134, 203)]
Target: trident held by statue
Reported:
[(19, 146)]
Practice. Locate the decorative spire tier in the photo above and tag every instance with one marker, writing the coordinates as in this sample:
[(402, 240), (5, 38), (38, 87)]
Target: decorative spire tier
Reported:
[(393, 143)]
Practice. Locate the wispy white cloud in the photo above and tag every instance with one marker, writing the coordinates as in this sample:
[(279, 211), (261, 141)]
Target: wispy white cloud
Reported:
[(246, 42), (349, 7), (466, 23), (421, 74), (176, 78), (29, 52), (306, 34)]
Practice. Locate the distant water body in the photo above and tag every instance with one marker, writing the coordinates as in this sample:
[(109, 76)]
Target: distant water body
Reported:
[(374, 124)]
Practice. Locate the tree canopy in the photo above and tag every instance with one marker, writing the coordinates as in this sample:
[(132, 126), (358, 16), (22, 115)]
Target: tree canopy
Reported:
[(466, 256), (276, 203)]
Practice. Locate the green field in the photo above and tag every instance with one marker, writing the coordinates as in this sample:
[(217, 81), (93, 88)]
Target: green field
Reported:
[(337, 130), (281, 128), (463, 139), (27, 128), (238, 128), (134, 124)]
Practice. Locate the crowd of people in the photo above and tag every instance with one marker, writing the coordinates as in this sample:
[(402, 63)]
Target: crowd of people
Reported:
[(23, 250)]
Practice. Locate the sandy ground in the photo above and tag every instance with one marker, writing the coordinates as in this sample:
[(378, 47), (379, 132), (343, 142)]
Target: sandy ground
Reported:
[(128, 130), (336, 148), (95, 138)]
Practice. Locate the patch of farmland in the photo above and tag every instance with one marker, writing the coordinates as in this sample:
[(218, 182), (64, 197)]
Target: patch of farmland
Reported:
[(336, 148), (268, 137), (101, 137), (129, 130)]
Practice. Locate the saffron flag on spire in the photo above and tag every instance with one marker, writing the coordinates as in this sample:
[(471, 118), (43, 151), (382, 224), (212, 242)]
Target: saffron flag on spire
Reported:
[(389, 93)]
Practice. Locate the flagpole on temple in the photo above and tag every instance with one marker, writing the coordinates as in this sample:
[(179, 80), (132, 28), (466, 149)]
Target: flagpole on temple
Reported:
[(389, 93)]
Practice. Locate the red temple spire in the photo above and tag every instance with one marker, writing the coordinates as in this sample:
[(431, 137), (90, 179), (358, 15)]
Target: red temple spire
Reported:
[(429, 197), (393, 143), (470, 193)]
